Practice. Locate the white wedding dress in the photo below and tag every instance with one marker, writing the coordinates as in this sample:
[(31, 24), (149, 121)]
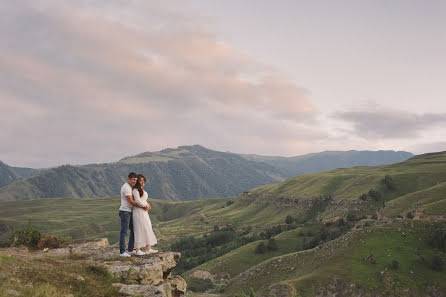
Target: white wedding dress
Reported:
[(142, 226)]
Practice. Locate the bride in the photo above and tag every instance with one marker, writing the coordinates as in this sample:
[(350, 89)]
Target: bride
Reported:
[(142, 226)]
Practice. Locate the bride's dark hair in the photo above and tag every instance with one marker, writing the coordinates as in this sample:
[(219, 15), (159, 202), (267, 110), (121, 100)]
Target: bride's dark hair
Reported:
[(138, 185)]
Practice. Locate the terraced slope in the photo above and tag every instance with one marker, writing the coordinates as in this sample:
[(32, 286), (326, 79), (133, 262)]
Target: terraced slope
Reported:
[(392, 260)]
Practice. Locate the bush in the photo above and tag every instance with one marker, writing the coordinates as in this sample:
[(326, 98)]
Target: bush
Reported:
[(363, 197), (289, 220), (27, 236), (272, 245), (53, 242), (312, 244), (251, 293), (260, 248), (438, 237), (409, 215), (375, 195), (351, 217), (341, 222), (388, 181), (437, 263), (395, 265), (199, 285)]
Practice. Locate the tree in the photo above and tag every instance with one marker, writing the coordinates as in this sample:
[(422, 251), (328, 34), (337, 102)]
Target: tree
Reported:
[(260, 248), (437, 263), (272, 245), (388, 181), (363, 197), (375, 195)]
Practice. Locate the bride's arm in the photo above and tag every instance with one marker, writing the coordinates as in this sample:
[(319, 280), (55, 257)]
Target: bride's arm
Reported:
[(138, 200)]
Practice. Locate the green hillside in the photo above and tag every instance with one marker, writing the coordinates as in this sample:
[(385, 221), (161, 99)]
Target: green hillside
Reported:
[(385, 261), (186, 173), (181, 174), (357, 239)]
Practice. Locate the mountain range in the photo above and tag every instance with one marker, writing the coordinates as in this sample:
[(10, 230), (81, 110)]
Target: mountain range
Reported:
[(362, 231), (180, 174)]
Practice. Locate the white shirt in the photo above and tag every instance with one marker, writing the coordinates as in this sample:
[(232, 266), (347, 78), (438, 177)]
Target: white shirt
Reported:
[(126, 190)]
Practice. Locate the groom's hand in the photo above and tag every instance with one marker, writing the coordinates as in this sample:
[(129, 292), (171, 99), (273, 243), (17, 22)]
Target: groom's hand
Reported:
[(148, 207)]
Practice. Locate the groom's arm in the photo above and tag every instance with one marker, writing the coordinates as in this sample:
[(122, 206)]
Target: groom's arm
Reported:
[(131, 200)]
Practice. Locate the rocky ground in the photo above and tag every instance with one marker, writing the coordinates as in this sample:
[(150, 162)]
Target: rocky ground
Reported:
[(146, 276)]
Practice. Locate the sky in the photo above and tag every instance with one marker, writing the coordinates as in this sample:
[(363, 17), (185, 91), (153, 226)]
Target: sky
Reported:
[(92, 81)]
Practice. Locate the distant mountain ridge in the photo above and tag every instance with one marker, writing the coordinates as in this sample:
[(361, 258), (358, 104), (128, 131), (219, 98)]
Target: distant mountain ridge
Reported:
[(328, 160), (180, 174), (185, 173), (10, 174)]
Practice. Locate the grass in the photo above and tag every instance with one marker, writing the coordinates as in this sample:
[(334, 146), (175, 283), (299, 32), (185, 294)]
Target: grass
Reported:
[(345, 259), (243, 258), (432, 198), (415, 174), (53, 277)]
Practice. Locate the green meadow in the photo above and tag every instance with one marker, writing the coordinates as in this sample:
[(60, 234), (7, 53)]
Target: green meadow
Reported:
[(357, 219)]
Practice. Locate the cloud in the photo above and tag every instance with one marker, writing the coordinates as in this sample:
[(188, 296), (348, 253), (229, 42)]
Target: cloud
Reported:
[(91, 81), (380, 123), (428, 147)]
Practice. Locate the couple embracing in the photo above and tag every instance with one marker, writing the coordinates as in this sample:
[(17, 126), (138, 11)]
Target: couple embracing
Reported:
[(134, 216)]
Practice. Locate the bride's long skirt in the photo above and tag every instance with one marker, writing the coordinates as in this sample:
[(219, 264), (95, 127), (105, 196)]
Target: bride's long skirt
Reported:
[(142, 227)]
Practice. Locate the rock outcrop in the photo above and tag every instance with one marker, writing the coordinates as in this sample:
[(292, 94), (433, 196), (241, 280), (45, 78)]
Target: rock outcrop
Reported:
[(148, 275)]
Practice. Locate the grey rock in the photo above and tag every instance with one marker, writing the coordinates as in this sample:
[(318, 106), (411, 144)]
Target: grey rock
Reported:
[(12, 292)]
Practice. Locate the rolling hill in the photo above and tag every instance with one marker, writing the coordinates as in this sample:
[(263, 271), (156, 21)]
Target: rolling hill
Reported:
[(181, 174), (336, 242)]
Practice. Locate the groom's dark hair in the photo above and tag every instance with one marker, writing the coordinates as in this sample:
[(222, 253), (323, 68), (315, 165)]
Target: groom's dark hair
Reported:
[(133, 175)]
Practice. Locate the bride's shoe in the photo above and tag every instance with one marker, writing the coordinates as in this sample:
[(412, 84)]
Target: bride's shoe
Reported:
[(139, 253), (151, 251)]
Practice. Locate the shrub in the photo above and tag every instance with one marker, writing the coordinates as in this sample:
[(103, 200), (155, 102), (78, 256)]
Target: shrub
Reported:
[(437, 263), (388, 181), (272, 245), (395, 265), (409, 215), (27, 236), (199, 285), (251, 293), (351, 217), (289, 220), (438, 237), (53, 242), (312, 244), (260, 248), (363, 197), (375, 195), (341, 222)]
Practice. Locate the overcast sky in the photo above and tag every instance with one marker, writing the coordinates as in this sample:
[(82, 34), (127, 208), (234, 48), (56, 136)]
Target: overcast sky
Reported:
[(92, 81)]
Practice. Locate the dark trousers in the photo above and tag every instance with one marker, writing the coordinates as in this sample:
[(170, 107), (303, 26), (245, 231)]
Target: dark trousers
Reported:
[(126, 223)]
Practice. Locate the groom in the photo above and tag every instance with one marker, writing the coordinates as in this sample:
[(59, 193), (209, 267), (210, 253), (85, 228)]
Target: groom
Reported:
[(125, 213)]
